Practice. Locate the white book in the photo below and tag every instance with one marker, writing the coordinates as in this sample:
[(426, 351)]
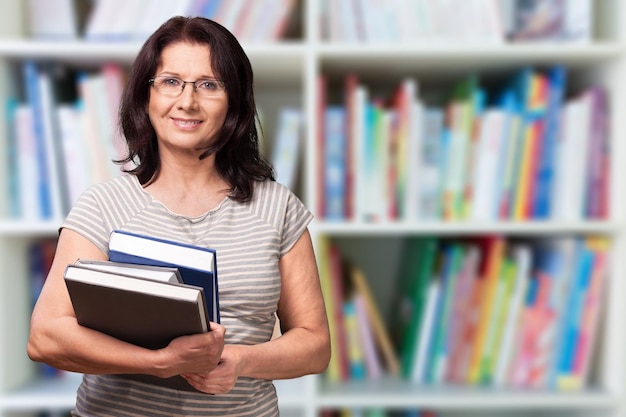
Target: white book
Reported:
[(99, 135), (485, 167), (101, 22), (76, 166), (431, 163), (52, 19), (287, 146), (27, 164), (571, 161), (414, 179), (578, 21), (53, 148), (408, 132), (155, 13)]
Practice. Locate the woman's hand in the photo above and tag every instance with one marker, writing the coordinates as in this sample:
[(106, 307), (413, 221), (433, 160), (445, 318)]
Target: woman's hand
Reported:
[(199, 353), (221, 379)]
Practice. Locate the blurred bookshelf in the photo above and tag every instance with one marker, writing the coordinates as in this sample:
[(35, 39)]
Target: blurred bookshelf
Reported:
[(321, 49)]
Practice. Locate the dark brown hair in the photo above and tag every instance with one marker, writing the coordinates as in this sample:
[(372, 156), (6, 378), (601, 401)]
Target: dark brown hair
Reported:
[(237, 156)]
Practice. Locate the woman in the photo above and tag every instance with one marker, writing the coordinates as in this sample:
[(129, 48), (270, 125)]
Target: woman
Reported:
[(188, 116)]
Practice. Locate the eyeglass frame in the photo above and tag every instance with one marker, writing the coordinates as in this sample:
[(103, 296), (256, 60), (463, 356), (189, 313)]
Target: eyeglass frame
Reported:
[(183, 83)]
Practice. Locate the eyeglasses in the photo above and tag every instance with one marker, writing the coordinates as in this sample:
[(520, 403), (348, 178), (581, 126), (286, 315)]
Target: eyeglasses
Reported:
[(174, 86)]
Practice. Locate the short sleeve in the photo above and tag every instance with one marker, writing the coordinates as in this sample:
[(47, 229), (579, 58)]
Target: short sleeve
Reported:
[(296, 220), (87, 219)]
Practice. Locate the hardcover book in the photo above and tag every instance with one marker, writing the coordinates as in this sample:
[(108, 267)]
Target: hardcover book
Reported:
[(142, 311), (197, 264)]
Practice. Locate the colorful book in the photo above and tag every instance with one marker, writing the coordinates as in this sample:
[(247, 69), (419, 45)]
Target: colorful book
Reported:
[(419, 367), (575, 310), (339, 295), (379, 329), (544, 175), (462, 313), (596, 188), (590, 318), (356, 358), (461, 111), (502, 298), (521, 255), (451, 256), (287, 144), (333, 372), (493, 250), (411, 295), (530, 87), (334, 163), (432, 152), (367, 338)]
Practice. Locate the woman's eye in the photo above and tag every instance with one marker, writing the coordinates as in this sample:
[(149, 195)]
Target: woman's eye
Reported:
[(208, 85), (171, 82)]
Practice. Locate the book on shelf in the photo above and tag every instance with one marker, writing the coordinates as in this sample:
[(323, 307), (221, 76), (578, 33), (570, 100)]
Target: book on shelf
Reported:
[(364, 298), (367, 340), (355, 349), (258, 21), (377, 21), (197, 264), (411, 294), (143, 311), (333, 371), (449, 265), (38, 85), (462, 313), (480, 153), (360, 342), (287, 146), (548, 20), (52, 19), (64, 121), (334, 162), (500, 312)]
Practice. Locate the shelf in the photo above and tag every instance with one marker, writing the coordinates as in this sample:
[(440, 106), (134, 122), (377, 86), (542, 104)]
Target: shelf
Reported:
[(391, 393), (60, 394), (467, 228), (29, 228), (263, 57), (459, 58), (50, 394)]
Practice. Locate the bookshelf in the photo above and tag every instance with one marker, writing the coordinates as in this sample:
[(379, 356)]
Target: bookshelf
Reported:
[(286, 74)]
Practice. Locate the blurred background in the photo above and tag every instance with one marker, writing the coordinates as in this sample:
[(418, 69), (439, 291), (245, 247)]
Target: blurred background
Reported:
[(461, 158)]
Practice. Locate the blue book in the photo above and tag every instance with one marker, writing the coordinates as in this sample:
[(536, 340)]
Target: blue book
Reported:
[(335, 163), (547, 158), (197, 264), (33, 96), (575, 309)]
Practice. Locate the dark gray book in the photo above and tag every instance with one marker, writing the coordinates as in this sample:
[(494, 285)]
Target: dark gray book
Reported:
[(142, 311)]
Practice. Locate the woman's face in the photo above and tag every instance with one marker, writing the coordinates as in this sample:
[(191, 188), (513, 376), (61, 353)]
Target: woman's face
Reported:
[(188, 122)]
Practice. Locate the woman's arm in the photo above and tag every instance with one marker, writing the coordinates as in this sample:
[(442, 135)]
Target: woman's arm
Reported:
[(57, 339), (303, 348)]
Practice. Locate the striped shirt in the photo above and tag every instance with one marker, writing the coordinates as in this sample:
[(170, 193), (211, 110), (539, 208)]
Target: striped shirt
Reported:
[(249, 238)]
